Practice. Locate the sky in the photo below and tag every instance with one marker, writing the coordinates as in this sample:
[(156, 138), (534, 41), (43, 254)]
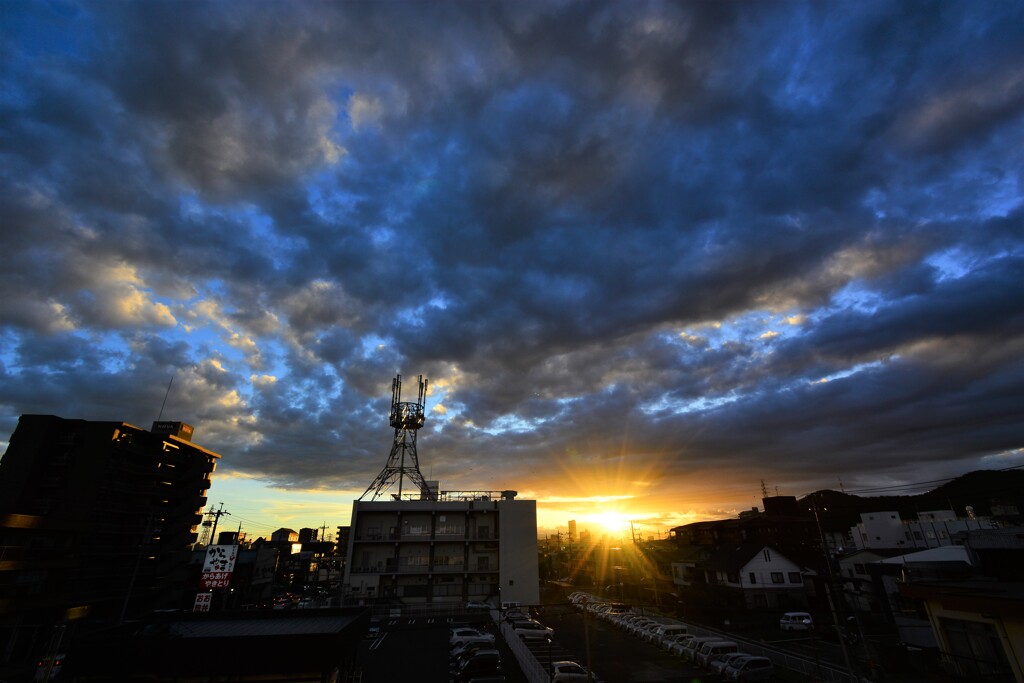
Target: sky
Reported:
[(653, 257)]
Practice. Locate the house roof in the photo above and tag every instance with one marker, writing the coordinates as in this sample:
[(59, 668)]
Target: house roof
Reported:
[(869, 554), (232, 628), (690, 554), (946, 553), (735, 557)]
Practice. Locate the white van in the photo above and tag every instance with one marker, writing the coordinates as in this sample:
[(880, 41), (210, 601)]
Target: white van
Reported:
[(713, 649), (667, 632), (796, 621), (691, 647)]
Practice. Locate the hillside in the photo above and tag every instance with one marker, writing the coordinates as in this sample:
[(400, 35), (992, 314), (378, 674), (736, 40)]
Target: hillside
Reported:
[(981, 489)]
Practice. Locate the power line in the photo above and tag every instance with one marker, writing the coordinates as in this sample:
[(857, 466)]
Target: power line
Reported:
[(915, 485)]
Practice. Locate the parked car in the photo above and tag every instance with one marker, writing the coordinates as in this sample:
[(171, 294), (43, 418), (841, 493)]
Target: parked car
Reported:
[(677, 646), (482, 663), (691, 646), (514, 615), (715, 647), (460, 636), (796, 621), (568, 672), (468, 648), (49, 665), (720, 663), (636, 626), (616, 609), (476, 604), (533, 630), (667, 630), (750, 669), (668, 642)]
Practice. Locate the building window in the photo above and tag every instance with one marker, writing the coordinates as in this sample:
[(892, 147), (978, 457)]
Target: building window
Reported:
[(760, 601), (976, 649), (917, 535), (794, 577), (859, 568), (777, 577), (733, 577), (753, 577)]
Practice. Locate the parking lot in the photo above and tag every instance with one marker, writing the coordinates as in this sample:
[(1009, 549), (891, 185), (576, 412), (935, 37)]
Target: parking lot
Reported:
[(416, 649)]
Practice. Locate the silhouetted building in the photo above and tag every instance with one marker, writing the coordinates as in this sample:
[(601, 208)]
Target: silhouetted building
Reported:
[(462, 546), (97, 520), (284, 535)]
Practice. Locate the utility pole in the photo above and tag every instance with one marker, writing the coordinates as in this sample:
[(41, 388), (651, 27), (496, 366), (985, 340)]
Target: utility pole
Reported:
[(216, 518), (135, 570), (829, 586)]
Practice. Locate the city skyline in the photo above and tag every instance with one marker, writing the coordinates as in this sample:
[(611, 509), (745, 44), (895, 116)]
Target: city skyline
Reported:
[(653, 257)]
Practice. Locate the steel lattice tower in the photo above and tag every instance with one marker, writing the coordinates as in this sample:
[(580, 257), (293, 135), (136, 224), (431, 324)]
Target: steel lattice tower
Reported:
[(406, 418)]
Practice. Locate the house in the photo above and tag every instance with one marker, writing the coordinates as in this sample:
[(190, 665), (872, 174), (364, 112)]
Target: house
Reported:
[(754, 576), (936, 564), (284, 535), (855, 577), (685, 566)]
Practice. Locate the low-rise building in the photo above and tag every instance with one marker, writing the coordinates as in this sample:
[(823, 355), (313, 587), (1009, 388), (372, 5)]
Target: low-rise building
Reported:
[(932, 529), (462, 546)]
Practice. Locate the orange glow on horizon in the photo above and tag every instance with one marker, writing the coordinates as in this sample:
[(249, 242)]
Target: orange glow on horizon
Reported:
[(612, 522)]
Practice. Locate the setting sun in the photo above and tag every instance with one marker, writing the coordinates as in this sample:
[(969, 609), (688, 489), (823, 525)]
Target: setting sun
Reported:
[(611, 522)]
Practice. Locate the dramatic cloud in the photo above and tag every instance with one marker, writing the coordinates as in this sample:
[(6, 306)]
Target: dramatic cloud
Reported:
[(652, 253)]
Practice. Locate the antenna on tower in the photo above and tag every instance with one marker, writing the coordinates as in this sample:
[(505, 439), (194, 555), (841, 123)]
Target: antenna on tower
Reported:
[(764, 489), (407, 418), (166, 394)]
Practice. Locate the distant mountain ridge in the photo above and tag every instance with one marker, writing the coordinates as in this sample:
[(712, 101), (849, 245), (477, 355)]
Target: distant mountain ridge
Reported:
[(981, 489)]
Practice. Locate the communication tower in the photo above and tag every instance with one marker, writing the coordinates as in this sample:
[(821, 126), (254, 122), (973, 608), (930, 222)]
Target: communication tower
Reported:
[(406, 418)]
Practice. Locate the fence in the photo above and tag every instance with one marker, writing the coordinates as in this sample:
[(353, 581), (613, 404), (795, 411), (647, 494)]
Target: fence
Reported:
[(533, 670)]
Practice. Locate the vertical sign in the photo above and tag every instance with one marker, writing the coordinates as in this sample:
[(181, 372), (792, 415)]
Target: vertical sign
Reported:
[(203, 601), (220, 562)]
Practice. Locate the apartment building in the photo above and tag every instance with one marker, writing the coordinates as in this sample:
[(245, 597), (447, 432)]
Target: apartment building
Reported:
[(461, 546), (97, 521)]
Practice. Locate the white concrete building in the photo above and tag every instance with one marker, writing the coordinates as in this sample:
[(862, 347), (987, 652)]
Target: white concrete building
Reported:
[(463, 546), (932, 529)]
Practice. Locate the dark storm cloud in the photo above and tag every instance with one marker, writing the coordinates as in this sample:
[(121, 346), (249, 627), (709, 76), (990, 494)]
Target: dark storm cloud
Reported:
[(609, 231)]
